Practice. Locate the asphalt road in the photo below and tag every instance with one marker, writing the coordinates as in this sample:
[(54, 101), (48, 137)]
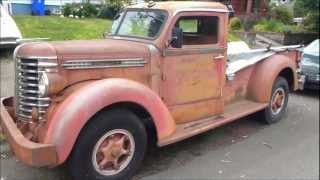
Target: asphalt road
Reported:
[(245, 149)]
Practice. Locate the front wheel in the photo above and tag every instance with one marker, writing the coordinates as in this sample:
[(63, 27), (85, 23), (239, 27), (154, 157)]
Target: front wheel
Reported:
[(278, 102), (110, 147)]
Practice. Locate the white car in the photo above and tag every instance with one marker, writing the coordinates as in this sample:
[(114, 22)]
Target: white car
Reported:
[(9, 31)]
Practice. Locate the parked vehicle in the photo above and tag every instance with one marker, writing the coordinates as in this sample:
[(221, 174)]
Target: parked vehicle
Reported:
[(161, 75), (310, 65), (9, 32)]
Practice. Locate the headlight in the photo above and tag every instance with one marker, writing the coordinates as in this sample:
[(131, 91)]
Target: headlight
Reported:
[(50, 84), (43, 84)]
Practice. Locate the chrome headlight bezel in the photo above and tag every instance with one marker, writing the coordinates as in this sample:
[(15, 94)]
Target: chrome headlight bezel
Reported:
[(43, 84)]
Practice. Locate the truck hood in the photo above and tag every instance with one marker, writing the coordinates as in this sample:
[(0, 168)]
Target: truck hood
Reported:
[(73, 60), (86, 50)]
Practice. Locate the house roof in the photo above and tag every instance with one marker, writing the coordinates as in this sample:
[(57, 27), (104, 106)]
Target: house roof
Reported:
[(175, 6)]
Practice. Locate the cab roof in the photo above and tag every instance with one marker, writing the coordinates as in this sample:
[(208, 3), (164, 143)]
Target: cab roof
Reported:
[(176, 6)]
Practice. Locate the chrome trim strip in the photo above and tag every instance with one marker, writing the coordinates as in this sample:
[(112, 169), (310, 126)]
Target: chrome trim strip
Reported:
[(28, 77), (190, 51), (105, 60), (34, 98), (38, 57), (200, 9), (25, 116), (34, 104), (28, 84), (28, 91), (40, 64), (30, 111), (30, 71), (27, 71), (17, 77), (104, 63)]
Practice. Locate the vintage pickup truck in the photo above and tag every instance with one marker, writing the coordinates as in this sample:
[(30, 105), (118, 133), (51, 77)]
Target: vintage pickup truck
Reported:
[(161, 75)]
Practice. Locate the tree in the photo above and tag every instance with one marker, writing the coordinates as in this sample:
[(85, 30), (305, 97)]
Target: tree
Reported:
[(303, 7), (310, 10), (117, 4)]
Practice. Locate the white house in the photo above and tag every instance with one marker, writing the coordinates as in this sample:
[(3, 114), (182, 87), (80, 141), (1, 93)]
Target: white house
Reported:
[(23, 7)]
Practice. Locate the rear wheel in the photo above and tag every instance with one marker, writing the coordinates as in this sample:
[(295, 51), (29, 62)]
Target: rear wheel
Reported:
[(110, 147), (278, 102)]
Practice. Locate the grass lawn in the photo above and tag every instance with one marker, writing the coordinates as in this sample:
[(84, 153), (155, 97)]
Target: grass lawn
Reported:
[(57, 28)]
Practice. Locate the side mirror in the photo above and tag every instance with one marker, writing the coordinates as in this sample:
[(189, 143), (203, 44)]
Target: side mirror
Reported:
[(106, 34), (177, 38)]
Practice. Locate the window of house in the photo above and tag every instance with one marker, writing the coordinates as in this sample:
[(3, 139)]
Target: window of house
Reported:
[(199, 30)]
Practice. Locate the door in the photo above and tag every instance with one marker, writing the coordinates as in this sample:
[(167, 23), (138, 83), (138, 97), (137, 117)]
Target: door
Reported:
[(193, 75)]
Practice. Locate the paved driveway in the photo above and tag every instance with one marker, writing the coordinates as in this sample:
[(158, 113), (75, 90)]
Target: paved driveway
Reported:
[(246, 149)]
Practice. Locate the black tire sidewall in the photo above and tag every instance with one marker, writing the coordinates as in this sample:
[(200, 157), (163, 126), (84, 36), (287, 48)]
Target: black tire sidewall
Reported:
[(269, 116), (81, 165)]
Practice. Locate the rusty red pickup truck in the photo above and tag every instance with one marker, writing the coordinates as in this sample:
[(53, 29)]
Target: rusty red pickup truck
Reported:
[(162, 74)]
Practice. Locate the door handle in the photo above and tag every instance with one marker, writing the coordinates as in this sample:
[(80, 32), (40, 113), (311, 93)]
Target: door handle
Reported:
[(219, 57)]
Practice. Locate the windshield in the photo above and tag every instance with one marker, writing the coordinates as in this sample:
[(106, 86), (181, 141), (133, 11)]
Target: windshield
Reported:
[(141, 24)]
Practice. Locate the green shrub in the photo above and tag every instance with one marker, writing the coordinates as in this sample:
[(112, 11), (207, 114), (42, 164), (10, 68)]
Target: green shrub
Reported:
[(67, 10), (89, 10), (235, 24), (269, 26), (311, 22), (107, 12), (248, 23), (282, 14), (72, 9), (303, 7), (294, 28), (112, 8), (80, 10)]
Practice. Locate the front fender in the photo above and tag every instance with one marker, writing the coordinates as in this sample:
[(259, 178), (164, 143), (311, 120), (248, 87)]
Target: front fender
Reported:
[(264, 75), (76, 110)]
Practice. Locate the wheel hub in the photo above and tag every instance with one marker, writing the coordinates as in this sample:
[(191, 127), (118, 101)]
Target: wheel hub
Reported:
[(113, 152), (277, 101)]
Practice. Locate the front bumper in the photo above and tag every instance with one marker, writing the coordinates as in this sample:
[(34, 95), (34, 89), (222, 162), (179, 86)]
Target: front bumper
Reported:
[(8, 43), (312, 84), (30, 153), (301, 82)]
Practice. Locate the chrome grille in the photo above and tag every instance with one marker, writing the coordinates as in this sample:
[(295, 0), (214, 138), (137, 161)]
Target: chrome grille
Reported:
[(27, 96), (313, 78)]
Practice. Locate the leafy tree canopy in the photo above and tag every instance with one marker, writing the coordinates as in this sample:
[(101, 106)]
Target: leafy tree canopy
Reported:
[(303, 7)]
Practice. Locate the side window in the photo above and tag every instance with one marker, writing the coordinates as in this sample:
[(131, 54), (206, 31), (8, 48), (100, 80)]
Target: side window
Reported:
[(199, 30), (189, 25)]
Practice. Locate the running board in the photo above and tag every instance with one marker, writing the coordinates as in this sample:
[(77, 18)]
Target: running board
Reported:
[(232, 112)]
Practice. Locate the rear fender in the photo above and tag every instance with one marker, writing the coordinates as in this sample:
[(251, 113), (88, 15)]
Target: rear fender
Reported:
[(264, 75), (77, 109)]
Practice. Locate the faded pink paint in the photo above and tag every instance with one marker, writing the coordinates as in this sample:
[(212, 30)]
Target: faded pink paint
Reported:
[(66, 123), (261, 82), (81, 99)]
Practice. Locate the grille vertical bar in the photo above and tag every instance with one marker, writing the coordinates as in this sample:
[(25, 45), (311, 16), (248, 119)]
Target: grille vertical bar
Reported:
[(27, 91)]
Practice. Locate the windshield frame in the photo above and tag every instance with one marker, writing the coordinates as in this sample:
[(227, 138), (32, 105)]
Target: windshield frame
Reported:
[(141, 10)]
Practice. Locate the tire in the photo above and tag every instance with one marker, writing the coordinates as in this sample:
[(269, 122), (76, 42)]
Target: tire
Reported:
[(274, 112), (104, 129)]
